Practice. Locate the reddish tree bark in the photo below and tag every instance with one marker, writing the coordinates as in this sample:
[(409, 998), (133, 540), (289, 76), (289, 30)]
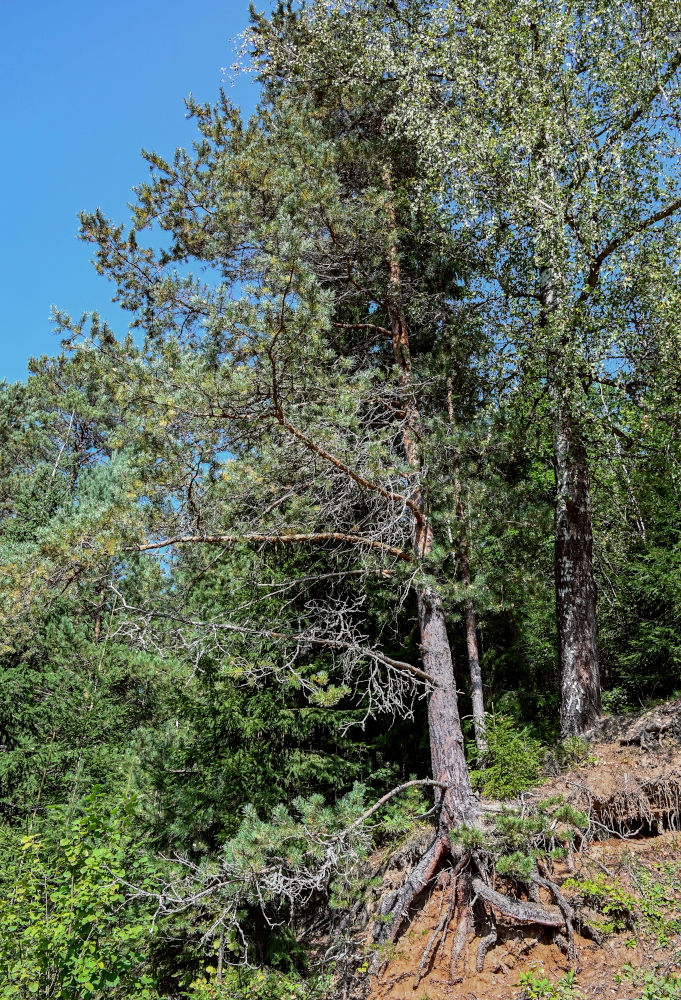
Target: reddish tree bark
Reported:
[(448, 759)]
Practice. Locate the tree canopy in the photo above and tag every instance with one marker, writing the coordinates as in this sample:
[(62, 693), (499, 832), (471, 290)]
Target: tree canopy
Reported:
[(377, 497)]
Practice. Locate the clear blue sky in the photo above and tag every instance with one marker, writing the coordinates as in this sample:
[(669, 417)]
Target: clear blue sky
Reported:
[(85, 85)]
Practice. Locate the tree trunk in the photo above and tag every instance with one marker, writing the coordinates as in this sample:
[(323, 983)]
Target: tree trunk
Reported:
[(446, 739), (580, 684), (469, 610), (444, 726), (575, 584), (471, 629)]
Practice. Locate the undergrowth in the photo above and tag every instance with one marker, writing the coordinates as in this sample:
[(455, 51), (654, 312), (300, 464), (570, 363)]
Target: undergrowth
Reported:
[(241, 983), (512, 762), (537, 986), (656, 986), (518, 843), (649, 908)]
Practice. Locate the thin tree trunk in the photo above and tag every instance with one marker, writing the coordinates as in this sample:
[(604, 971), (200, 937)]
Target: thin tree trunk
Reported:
[(575, 584), (477, 697), (446, 739)]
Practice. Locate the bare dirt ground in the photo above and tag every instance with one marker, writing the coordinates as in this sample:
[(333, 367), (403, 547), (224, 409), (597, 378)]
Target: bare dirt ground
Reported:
[(629, 784)]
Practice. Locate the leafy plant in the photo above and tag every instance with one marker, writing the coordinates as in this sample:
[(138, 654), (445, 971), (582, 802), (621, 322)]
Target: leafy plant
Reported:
[(512, 761), (66, 927), (539, 987), (661, 916), (655, 986), (618, 906), (240, 983)]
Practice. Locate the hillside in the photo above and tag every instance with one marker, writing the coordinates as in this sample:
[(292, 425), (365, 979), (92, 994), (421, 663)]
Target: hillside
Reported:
[(623, 883)]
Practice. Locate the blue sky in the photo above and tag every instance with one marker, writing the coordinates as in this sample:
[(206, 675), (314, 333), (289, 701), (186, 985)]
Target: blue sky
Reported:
[(85, 86)]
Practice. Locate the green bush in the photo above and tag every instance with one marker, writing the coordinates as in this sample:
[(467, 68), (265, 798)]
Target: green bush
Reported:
[(240, 983), (513, 760), (617, 906), (66, 927)]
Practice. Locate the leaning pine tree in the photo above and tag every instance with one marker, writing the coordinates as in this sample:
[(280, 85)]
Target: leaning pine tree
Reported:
[(307, 382), (295, 394)]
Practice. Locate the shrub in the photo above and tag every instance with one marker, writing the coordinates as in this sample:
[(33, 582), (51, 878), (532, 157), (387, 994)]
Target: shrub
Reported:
[(66, 928), (240, 983), (513, 761), (617, 906), (540, 987)]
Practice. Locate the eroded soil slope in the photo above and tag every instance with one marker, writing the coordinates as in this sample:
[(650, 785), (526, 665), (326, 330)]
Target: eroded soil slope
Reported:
[(624, 880)]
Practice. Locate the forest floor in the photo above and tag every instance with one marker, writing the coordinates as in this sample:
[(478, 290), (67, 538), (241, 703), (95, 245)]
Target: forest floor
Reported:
[(625, 874)]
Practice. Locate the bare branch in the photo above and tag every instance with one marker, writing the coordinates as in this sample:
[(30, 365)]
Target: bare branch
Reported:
[(413, 505), (389, 795), (318, 536)]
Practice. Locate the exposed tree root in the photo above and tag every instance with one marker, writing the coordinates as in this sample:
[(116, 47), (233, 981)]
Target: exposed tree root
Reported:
[(469, 894), (464, 925), (487, 942), (468, 881), (394, 914), (637, 807), (566, 910), (460, 938), (475, 891), (423, 965), (470, 900), (450, 910), (440, 931), (524, 911)]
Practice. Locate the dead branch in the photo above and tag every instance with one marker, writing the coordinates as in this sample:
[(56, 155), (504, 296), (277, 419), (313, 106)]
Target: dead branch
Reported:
[(285, 539)]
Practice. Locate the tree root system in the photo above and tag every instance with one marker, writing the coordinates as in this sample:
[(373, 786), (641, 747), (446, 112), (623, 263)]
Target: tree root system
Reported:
[(470, 905)]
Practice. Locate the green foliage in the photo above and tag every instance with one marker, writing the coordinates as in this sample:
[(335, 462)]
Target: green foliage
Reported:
[(257, 984), (565, 813), (616, 904), (399, 814), (655, 986), (572, 751), (255, 683), (660, 909), (518, 865), (651, 908), (519, 840), (516, 830), (513, 760), (67, 928), (536, 986), (470, 837), (616, 701)]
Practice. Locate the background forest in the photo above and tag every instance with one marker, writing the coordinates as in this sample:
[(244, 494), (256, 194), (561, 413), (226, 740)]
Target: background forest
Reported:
[(403, 354)]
